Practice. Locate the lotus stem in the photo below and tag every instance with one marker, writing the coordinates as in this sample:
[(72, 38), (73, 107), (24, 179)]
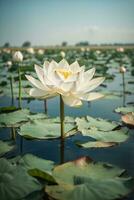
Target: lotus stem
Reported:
[(13, 133), (62, 116), (62, 150), (19, 74), (124, 89), (11, 86), (45, 106)]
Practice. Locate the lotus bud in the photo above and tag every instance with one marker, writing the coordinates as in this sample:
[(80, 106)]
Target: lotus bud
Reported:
[(40, 51), (9, 63), (122, 69), (62, 53), (18, 56), (30, 50), (98, 51), (120, 49)]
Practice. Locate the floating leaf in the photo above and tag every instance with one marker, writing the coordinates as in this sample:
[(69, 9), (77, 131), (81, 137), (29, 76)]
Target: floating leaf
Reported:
[(95, 144), (116, 136), (15, 183), (128, 118), (124, 110), (14, 118), (98, 123), (44, 129), (83, 179), (36, 166), (5, 147), (8, 109)]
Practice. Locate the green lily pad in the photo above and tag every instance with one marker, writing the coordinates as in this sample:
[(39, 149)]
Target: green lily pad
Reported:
[(5, 147), (16, 118), (116, 136), (8, 109), (124, 110), (13, 118), (36, 166), (95, 144), (83, 179), (15, 183), (44, 129), (98, 123)]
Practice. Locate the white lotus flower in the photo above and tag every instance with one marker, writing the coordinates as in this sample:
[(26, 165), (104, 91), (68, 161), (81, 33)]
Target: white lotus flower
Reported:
[(70, 81), (122, 69), (30, 50), (63, 54), (41, 51), (18, 56), (9, 63)]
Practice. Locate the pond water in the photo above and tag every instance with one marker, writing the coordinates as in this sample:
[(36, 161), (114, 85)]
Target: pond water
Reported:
[(121, 155)]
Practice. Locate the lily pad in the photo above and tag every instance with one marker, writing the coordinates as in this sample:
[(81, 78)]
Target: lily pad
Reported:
[(15, 183), (124, 110), (8, 109), (14, 118), (83, 179), (95, 144), (116, 136), (98, 123), (44, 129), (128, 118), (36, 166), (5, 147)]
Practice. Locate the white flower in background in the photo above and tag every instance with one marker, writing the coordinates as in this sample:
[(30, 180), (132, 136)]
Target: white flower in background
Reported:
[(30, 50), (120, 49), (9, 63), (63, 54), (7, 51), (87, 49), (122, 69), (82, 49), (98, 51), (70, 81), (17, 56), (40, 52)]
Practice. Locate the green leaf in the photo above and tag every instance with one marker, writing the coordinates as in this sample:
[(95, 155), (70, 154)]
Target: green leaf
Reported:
[(44, 129), (98, 123), (14, 118), (36, 166), (124, 110), (116, 136), (95, 144), (5, 147), (8, 109), (83, 179), (15, 183)]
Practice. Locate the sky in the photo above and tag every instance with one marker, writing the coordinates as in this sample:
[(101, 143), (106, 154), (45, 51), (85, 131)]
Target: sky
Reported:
[(50, 22)]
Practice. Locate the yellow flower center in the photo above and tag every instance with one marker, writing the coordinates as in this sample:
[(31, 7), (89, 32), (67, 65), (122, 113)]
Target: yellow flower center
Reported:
[(64, 73)]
